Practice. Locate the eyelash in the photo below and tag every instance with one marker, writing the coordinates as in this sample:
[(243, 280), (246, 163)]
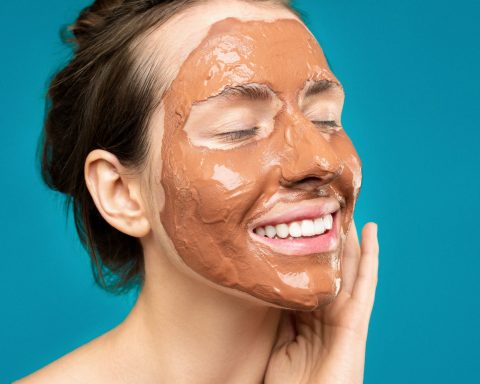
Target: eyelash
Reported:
[(239, 135), (330, 125)]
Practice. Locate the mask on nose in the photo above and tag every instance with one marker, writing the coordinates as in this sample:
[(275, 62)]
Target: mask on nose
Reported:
[(277, 160)]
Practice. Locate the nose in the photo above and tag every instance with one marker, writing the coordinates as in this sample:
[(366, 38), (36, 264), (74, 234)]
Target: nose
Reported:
[(309, 159)]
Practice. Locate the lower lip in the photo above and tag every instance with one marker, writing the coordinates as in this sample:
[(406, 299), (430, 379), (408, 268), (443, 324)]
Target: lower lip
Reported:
[(326, 242)]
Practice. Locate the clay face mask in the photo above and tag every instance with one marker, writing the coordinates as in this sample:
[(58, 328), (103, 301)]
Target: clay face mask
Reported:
[(260, 180)]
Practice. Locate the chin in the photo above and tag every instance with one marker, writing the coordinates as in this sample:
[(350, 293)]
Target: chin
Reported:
[(306, 300), (307, 303)]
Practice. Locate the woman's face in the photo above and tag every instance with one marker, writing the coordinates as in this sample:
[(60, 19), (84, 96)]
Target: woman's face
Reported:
[(255, 164)]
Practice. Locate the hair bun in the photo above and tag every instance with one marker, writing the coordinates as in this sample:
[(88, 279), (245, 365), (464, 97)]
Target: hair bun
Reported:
[(93, 19)]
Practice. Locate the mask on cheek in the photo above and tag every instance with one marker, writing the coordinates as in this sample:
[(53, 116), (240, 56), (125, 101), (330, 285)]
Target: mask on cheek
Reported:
[(221, 202)]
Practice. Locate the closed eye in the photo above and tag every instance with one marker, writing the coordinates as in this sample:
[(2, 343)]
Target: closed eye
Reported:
[(329, 125), (236, 136)]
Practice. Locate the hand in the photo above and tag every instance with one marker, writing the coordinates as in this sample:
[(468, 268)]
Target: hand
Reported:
[(328, 346)]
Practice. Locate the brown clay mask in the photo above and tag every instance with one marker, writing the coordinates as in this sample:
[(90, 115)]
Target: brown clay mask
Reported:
[(253, 154)]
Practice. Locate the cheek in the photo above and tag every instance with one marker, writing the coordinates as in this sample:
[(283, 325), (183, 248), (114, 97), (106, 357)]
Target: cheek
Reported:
[(350, 181), (355, 169), (208, 197), (351, 178), (219, 189), (208, 193), (225, 192)]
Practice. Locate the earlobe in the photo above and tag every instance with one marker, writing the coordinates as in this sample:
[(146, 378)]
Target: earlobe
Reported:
[(116, 195)]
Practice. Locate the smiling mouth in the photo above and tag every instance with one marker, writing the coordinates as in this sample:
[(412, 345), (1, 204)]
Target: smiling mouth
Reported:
[(297, 229), (302, 237)]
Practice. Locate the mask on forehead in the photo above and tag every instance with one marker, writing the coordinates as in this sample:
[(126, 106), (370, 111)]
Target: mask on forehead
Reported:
[(241, 139)]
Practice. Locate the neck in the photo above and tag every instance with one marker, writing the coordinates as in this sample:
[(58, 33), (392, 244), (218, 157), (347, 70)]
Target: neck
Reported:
[(181, 330)]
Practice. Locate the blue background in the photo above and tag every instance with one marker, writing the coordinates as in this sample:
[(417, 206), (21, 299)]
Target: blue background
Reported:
[(410, 70)]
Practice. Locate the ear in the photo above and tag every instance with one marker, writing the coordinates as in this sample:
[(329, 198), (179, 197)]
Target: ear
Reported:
[(116, 194)]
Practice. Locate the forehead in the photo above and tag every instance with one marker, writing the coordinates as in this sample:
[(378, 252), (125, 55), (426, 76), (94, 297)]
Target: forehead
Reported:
[(281, 54), (172, 42)]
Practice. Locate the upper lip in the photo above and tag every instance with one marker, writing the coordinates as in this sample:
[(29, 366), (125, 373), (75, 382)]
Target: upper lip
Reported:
[(304, 210)]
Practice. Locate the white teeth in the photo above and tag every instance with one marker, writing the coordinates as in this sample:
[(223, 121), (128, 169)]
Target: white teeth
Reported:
[(307, 228), (328, 220), (319, 226), (282, 230), (270, 231), (297, 229), (260, 231)]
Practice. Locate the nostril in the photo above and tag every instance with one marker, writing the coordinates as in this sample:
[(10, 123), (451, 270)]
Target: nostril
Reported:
[(311, 181), (308, 181)]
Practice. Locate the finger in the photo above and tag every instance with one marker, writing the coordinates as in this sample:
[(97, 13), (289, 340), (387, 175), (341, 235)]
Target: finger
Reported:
[(367, 276), (350, 259)]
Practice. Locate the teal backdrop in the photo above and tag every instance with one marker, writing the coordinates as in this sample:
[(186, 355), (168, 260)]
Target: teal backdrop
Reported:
[(410, 70)]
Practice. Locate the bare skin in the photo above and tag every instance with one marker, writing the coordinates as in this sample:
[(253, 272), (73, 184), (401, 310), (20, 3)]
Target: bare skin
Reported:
[(182, 330), (324, 346)]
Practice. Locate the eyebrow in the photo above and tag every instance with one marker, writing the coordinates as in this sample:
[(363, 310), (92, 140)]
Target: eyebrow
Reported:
[(255, 91), (251, 91), (319, 86)]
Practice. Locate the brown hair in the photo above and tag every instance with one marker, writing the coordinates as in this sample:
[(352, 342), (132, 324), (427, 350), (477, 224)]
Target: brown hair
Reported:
[(103, 98)]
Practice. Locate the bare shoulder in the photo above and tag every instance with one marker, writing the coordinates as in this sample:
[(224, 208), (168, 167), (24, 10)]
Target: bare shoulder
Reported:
[(86, 364)]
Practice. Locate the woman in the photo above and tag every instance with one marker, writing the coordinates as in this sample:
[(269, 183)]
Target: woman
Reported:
[(201, 146)]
